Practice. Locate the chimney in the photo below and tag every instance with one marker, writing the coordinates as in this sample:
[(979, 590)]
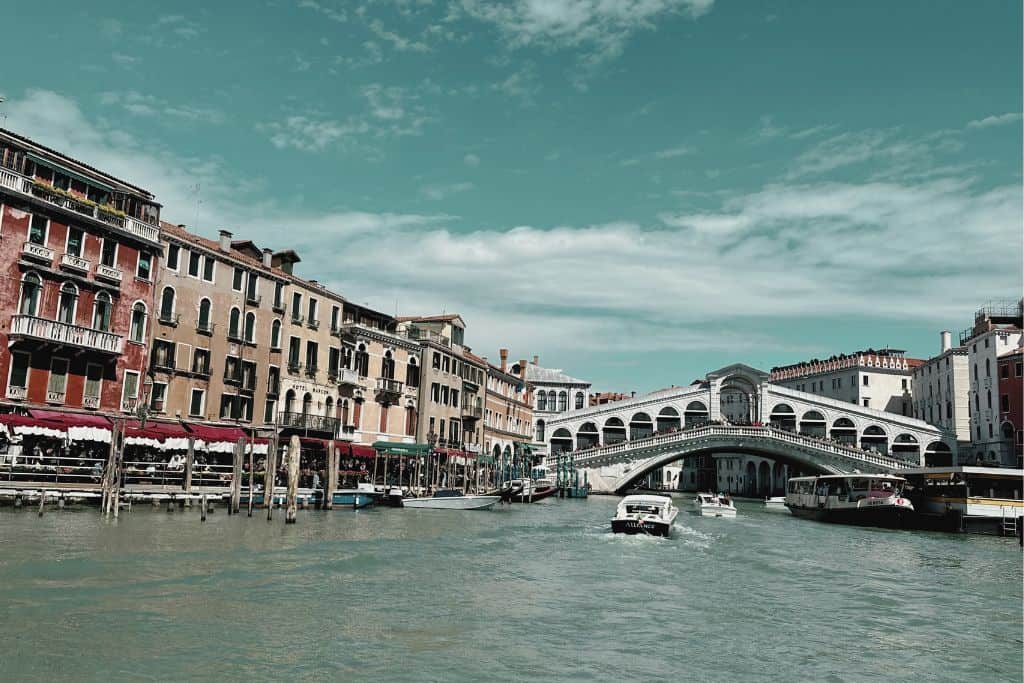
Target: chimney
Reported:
[(946, 340), (536, 359), (182, 226), (268, 256), (225, 241), (504, 359), (522, 369), (312, 283)]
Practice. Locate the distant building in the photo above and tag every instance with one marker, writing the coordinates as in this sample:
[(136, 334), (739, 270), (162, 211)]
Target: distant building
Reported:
[(508, 416), (1011, 403), (605, 397), (554, 393), (941, 391), (871, 379), (996, 333)]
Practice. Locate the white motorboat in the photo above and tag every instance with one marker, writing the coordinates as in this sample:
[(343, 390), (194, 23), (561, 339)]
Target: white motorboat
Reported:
[(775, 503), (451, 499), (713, 505), (645, 514)]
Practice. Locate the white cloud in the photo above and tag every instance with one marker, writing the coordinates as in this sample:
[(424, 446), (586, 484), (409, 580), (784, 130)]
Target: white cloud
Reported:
[(884, 148), (1001, 120), (311, 135), (673, 152), (332, 13), (471, 160), (695, 280), (438, 192), (122, 59), (149, 105)]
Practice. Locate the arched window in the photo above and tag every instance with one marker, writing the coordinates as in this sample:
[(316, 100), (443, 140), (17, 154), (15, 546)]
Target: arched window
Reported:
[(362, 361), (563, 401), (31, 290), (137, 332), (101, 308), (275, 334), (387, 366), (250, 327), (412, 373), (289, 402), (67, 303), (542, 401), (307, 404), (329, 407), (540, 431), (203, 323), (234, 323), (167, 304), (579, 400)]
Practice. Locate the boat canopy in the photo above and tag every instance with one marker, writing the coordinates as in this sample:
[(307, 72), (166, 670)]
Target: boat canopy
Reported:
[(408, 450)]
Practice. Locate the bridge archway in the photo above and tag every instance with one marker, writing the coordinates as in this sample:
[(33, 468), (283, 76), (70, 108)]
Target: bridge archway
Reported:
[(812, 423), (764, 479), (640, 426), (587, 436), (844, 431), (614, 431), (905, 447), (750, 479), (938, 454), (668, 419), (783, 416), (696, 413), (738, 397), (875, 439), (561, 441)]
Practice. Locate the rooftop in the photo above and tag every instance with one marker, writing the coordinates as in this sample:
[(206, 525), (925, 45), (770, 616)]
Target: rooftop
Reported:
[(535, 373)]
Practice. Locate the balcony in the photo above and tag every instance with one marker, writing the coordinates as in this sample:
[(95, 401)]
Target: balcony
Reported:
[(79, 205), (163, 364), (17, 393), (297, 319), (294, 367), (313, 324), (109, 273), (205, 328), (55, 396), (169, 319), (63, 334), (347, 378), (91, 402), (128, 405), (470, 412), (389, 391), (253, 299), (72, 262), (311, 371), (308, 423), (278, 306), (37, 252), (202, 371)]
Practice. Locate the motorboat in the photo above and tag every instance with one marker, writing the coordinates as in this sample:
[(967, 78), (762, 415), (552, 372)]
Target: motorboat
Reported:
[(865, 499), (451, 499), (531, 490), (775, 503), (713, 505), (389, 496), (645, 514), (361, 496)]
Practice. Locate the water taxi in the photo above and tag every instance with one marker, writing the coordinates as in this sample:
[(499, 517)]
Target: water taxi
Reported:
[(966, 498), (713, 505), (775, 503), (645, 514), (451, 499), (865, 499)]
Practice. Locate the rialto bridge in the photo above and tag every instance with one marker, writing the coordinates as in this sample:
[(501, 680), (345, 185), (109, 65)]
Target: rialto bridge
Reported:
[(737, 410)]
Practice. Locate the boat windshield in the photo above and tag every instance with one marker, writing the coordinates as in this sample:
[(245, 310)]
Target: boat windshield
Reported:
[(643, 509)]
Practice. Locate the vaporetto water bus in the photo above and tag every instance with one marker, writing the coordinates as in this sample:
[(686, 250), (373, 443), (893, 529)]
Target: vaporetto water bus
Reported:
[(865, 499), (985, 500)]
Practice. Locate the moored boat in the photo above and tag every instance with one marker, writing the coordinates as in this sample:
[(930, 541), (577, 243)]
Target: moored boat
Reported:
[(451, 499), (973, 499), (645, 514), (865, 499), (775, 503), (713, 505), (531, 490)]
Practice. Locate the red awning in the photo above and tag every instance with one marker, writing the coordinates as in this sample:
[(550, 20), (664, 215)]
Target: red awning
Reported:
[(362, 451), (72, 419), (216, 434), (156, 430), (13, 420)]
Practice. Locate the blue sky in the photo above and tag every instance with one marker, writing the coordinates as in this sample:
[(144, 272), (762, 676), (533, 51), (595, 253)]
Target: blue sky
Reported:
[(639, 191)]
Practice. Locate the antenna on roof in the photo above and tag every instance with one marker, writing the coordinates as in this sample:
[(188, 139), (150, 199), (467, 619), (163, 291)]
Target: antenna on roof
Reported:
[(198, 202)]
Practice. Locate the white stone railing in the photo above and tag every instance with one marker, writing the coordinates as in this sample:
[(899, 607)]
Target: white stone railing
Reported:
[(17, 393), (63, 333), (38, 251), (592, 454), (109, 273), (133, 226), (74, 262)]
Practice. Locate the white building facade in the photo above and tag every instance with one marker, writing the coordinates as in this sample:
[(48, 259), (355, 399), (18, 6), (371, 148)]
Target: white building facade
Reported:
[(880, 380), (941, 391), (554, 394)]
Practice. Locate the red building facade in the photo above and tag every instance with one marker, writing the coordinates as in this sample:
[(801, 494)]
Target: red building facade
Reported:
[(1011, 403), (79, 254)]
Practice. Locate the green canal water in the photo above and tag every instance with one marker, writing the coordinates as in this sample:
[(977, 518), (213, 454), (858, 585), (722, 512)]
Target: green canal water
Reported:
[(535, 592)]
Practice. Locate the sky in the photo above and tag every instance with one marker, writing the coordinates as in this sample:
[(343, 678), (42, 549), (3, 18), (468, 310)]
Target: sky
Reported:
[(637, 191)]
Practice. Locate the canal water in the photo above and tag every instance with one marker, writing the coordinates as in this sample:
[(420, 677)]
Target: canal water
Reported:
[(535, 592)]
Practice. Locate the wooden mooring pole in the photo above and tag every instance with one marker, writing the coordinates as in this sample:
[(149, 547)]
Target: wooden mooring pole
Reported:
[(332, 476), (270, 478), (190, 460), (291, 510), (252, 480), (236, 477)]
